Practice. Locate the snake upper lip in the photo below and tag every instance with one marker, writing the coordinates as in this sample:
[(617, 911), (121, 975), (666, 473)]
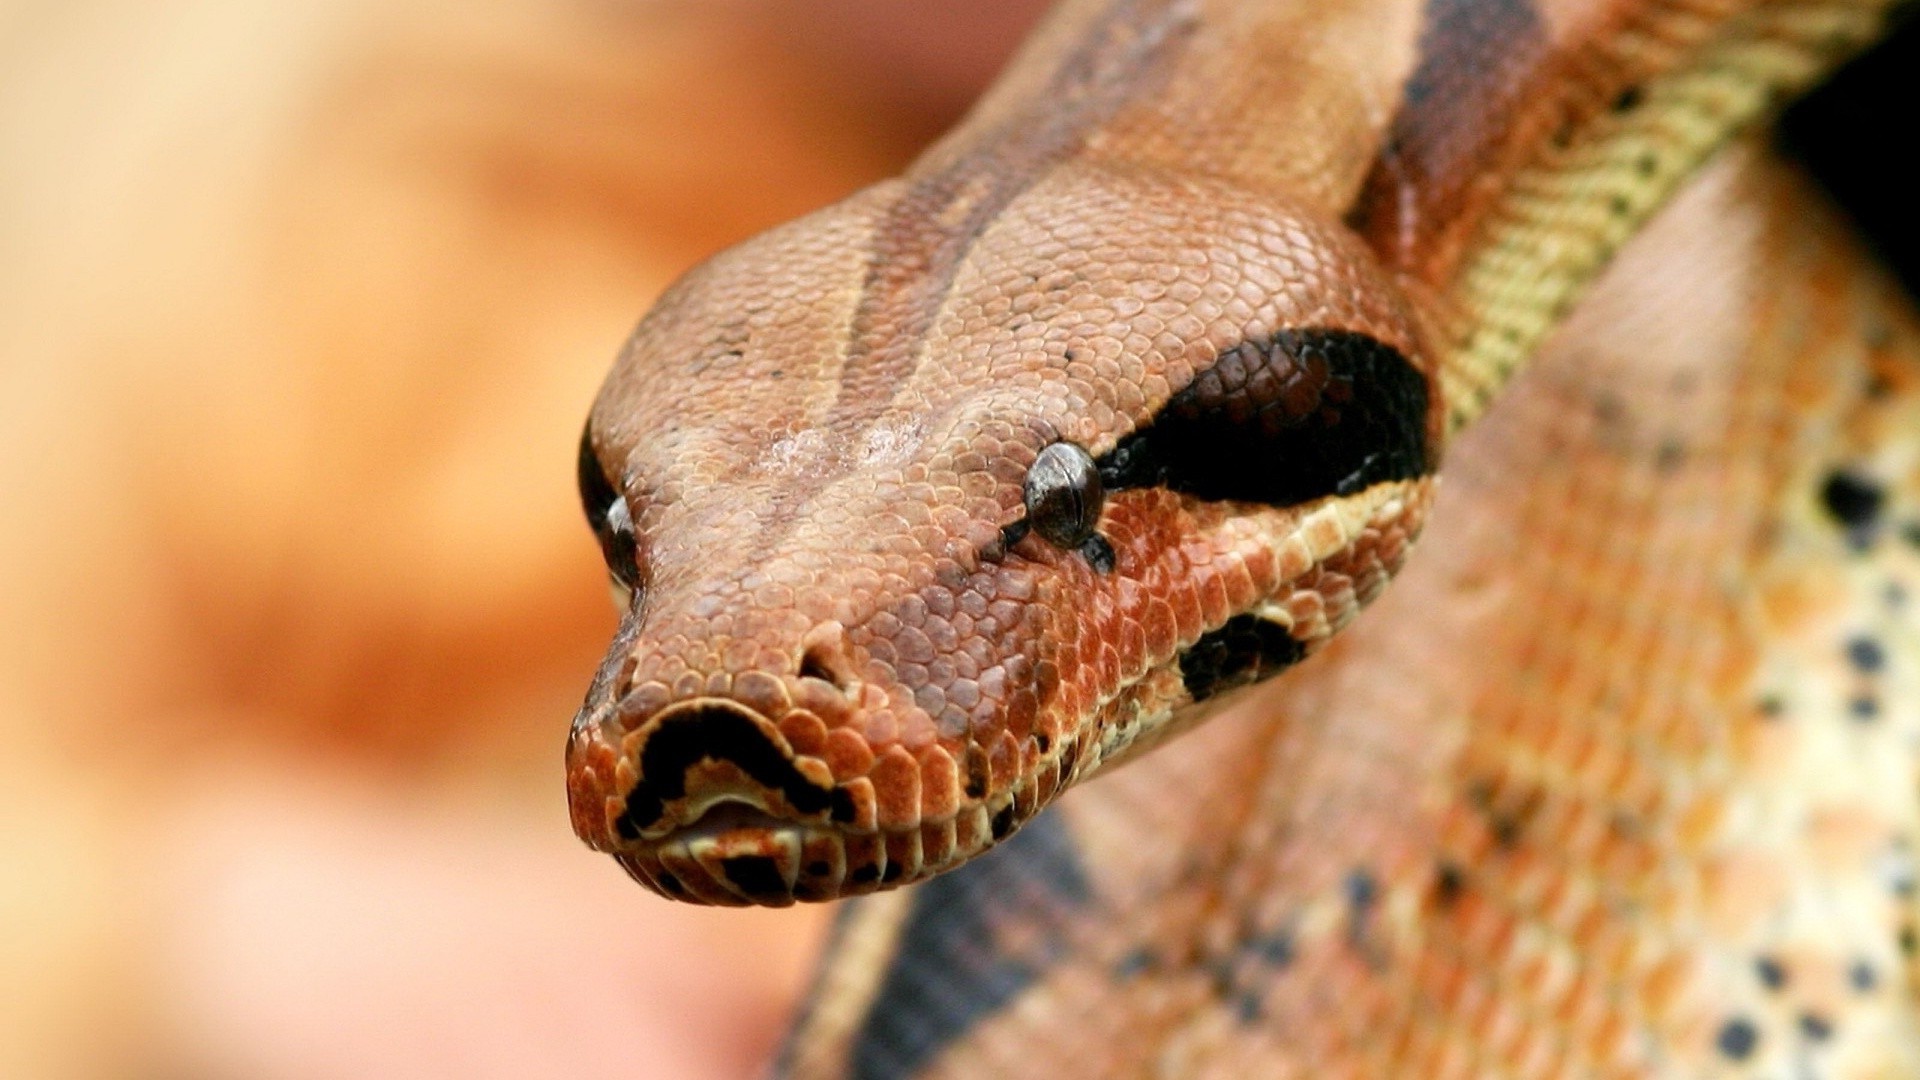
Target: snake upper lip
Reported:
[(729, 815)]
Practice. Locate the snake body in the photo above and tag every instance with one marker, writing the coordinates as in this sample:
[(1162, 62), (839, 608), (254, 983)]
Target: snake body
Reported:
[(1129, 395)]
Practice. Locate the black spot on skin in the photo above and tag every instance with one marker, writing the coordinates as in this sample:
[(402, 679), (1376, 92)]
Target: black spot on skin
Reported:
[(1772, 975), (1864, 708), (1448, 883), (1628, 100), (1247, 1007), (1002, 822), (670, 883), (1246, 649), (1771, 707), (1135, 963), (1815, 1027), (892, 873), (1672, 455), (710, 734), (1302, 416), (1099, 554), (1647, 164), (1363, 892), (1274, 948), (1866, 654), (865, 874), (1853, 500), (818, 869), (843, 809), (1506, 830), (756, 875), (1862, 976), (957, 961), (976, 769), (1619, 205), (1737, 1039)]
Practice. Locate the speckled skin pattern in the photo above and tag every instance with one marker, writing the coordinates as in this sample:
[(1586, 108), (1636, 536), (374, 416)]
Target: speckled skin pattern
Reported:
[(1541, 819), (1618, 779)]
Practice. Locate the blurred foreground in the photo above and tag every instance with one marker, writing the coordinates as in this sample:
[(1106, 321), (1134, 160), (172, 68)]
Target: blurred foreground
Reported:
[(301, 308)]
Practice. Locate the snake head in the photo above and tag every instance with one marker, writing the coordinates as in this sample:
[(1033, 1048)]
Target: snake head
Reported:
[(926, 507)]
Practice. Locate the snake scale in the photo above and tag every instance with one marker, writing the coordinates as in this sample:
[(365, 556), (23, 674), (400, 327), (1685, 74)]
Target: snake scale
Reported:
[(1129, 395)]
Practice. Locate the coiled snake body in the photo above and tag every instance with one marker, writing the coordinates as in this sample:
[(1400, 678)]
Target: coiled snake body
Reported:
[(1129, 395)]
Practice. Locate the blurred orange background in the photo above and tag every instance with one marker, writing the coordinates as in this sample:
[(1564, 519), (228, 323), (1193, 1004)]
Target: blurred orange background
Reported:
[(302, 303)]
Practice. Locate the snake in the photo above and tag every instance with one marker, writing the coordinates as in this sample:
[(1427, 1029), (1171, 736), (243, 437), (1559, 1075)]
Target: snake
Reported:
[(1086, 440)]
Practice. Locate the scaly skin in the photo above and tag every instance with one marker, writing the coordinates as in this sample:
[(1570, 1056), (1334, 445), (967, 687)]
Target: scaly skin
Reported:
[(1617, 780), (1284, 254)]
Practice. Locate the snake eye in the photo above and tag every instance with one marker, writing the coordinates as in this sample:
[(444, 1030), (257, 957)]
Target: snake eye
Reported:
[(610, 517), (1064, 495)]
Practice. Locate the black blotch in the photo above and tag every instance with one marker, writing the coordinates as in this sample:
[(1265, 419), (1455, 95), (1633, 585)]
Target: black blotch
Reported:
[(818, 869), (1506, 829), (1619, 206), (713, 734), (1041, 741), (1671, 455), (1862, 976), (1771, 706), (843, 809), (1837, 132), (1303, 415), (1737, 1039), (865, 874), (892, 873), (1772, 974), (1815, 1027), (1866, 654), (1135, 963), (1853, 500), (1275, 948), (976, 770), (1099, 554), (1448, 883), (1363, 893), (1647, 164), (1246, 649), (1247, 1006), (956, 964), (756, 875), (1864, 708), (670, 883), (1629, 99), (1002, 822)]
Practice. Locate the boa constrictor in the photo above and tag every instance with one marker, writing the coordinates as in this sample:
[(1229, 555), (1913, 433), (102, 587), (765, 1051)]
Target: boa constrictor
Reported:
[(1129, 394)]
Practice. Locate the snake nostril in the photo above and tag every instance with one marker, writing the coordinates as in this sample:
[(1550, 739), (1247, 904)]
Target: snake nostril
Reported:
[(823, 656)]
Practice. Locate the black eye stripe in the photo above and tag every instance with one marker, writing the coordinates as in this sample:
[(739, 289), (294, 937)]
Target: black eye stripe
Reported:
[(1245, 650), (1302, 415)]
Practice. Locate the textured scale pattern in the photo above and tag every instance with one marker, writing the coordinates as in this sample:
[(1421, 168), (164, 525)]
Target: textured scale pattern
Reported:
[(1620, 778), (1594, 791)]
